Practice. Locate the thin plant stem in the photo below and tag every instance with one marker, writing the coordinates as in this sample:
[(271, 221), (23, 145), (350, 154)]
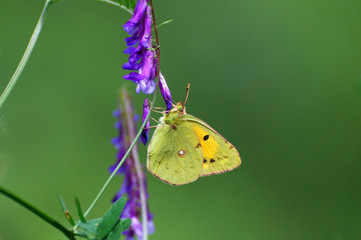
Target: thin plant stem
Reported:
[(138, 167), (37, 212), (118, 5), (96, 199), (121, 161), (157, 39), (26, 55)]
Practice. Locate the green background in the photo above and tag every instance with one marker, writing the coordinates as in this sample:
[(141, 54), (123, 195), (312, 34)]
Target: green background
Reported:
[(279, 79)]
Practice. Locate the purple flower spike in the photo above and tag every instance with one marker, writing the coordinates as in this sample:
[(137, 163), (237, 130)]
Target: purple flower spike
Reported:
[(145, 133), (141, 58), (131, 185), (165, 91)]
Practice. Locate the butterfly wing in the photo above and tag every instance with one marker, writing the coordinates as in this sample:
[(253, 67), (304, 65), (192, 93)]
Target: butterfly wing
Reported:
[(174, 154), (219, 154)]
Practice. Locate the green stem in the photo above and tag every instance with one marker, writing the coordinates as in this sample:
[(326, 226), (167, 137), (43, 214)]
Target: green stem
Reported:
[(121, 162), (138, 167), (118, 5), (141, 128), (26, 54), (37, 212)]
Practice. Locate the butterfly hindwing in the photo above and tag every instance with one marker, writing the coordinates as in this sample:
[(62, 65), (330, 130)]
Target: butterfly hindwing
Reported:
[(219, 155), (174, 154)]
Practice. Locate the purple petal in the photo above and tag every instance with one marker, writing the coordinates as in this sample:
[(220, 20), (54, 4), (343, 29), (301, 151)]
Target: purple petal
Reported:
[(116, 142), (116, 113), (133, 76), (131, 41), (150, 87), (129, 50), (151, 227), (145, 39), (132, 25), (131, 66), (165, 91), (136, 54), (148, 64), (137, 227), (118, 125)]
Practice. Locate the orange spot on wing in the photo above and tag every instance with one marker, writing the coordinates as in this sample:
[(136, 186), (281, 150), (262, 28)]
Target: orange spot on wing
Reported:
[(209, 146)]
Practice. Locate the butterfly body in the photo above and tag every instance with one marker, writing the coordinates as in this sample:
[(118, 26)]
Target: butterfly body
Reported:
[(183, 148)]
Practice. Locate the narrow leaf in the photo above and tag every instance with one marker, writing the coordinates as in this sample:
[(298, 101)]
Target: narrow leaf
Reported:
[(165, 22), (80, 212), (66, 211), (111, 218)]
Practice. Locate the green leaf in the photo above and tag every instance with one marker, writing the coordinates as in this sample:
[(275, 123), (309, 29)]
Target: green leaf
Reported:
[(80, 212), (132, 4), (117, 231), (66, 211), (89, 228), (127, 3), (111, 218), (125, 223)]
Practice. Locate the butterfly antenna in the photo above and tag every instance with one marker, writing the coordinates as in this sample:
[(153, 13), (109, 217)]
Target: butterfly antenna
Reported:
[(185, 101), (171, 103)]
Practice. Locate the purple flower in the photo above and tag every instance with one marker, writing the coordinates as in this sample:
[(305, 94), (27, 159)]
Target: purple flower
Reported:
[(131, 183), (145, 133), (165, 91), (141, 58)]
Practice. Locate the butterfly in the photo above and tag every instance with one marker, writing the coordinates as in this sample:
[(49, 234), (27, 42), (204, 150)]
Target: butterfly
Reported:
[(184, 148)]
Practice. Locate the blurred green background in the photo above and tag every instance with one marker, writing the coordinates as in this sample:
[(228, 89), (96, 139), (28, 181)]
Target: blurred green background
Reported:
[(279, 79)]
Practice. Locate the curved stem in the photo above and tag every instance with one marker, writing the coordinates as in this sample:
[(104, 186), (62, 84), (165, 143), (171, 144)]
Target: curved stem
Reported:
[(26, 55), (118, 5), (138, 167), (96, 199), (37, 212), (122, 161)]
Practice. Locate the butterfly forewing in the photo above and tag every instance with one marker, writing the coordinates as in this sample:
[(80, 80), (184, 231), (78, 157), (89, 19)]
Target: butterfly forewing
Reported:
[(219, 154), (174, 154)]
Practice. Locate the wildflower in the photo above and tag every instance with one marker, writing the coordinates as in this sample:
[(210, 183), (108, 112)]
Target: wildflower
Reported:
[(134, 182), (141, 57)]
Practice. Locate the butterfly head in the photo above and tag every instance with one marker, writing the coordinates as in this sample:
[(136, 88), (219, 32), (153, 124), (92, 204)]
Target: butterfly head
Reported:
[(173, 115)]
